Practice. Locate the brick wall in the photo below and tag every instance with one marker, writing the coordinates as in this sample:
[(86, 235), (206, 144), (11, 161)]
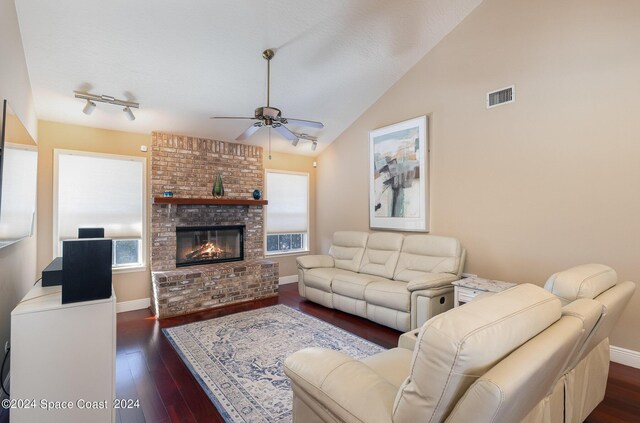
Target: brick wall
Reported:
[(187, 166)]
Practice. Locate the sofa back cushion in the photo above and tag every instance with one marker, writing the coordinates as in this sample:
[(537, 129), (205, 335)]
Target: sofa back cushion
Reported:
[(381, 255), (348, 248), (584, 281), (422, 254), (512, 388), (457, 347)]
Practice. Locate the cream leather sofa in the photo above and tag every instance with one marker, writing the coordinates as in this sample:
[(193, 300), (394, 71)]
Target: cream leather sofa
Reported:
[(491, 360), (396, 280)]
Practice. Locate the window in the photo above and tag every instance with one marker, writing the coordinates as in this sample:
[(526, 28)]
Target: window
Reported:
[(287, 212), (101, 190)]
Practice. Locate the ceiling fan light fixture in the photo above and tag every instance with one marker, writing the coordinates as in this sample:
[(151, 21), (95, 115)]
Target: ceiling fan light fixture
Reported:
[(270, 116)]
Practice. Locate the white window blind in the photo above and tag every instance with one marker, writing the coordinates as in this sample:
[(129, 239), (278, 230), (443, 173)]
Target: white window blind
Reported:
[(100, 191), (19, 182), (288, 209)]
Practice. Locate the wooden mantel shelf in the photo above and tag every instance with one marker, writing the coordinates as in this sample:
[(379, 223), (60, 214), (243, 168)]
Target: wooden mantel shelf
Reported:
[(207, 201)]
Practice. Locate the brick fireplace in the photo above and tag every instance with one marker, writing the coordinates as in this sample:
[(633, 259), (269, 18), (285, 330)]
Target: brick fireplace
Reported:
[(187, 167)]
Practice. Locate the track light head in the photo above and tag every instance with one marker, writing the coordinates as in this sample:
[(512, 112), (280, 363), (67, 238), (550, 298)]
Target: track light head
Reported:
[(314, 145), (88, 108), (295, 141), (127, 111)]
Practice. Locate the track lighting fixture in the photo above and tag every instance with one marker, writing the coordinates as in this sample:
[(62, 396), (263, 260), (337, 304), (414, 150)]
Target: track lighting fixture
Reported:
[(295, 142), (88, 108), (127, 111), (93, 98), (306, 137)]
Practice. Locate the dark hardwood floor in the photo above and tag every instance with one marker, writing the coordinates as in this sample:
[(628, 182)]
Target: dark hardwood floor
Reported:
[(150, 370)]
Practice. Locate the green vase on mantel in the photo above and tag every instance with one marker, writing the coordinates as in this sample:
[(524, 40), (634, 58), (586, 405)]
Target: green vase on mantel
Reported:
[(218, 188)]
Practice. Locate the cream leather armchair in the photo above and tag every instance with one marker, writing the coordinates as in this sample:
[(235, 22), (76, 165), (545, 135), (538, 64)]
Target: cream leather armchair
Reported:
[(584, 379), (492, 360)]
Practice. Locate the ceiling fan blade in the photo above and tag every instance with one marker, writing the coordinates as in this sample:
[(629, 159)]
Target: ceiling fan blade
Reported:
[(231, 117), (285, 132), (309, 123), (248, 132)]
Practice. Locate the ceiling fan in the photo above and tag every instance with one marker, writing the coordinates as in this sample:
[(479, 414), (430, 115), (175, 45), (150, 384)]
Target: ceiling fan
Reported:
[(268, 116)]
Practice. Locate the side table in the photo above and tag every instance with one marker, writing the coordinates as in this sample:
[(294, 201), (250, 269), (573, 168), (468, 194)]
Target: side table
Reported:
[(468, 288)]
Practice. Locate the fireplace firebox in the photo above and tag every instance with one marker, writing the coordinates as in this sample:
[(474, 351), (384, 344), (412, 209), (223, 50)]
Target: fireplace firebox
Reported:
[(209, 244)]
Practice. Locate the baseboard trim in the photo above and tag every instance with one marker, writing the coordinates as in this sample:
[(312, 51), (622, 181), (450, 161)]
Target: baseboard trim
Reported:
[(288, 279), (140, 304), (624, 356)]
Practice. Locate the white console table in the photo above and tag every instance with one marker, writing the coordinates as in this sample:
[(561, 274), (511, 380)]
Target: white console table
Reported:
[(63, 355)]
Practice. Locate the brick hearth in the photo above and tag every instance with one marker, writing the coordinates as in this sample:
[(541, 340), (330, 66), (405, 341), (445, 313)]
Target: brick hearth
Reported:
[(187, 166), (198, 288)]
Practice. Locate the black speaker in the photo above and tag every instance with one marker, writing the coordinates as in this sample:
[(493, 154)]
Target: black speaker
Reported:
[(52, 274), (86, 270), (90, 232)]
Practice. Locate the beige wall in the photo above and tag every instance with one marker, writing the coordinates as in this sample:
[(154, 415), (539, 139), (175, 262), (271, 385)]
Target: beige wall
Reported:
[(53, 135), (295, 163), (530, 188), (17, 261)]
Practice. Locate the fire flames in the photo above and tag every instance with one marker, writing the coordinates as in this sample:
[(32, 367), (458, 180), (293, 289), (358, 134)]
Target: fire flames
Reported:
[(205, 251)]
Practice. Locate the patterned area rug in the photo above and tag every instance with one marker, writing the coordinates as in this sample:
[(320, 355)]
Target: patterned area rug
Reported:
[(239, 359)]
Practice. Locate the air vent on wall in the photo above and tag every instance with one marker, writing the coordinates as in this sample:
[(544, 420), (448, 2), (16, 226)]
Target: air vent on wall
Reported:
[(501, 96)]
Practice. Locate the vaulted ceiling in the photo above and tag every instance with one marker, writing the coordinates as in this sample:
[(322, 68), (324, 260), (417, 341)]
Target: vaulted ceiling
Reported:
[(187, 60)]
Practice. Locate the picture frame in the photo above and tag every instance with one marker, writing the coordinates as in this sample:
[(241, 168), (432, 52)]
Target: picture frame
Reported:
[(399, 176)]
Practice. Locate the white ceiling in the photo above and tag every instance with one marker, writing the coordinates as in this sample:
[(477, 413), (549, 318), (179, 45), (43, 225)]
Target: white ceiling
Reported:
[(187, 60)]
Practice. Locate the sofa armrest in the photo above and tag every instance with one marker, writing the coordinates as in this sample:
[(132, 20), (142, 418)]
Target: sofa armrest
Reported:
[(431, 280), (348, 388), (309, 262), (408, 339)]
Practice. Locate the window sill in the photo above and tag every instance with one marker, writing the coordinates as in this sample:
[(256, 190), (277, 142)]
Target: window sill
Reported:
[(132, 269), (286, 254)]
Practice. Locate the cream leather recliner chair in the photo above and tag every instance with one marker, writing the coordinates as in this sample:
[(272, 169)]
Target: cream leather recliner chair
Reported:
[(491, 360), (585, 378)]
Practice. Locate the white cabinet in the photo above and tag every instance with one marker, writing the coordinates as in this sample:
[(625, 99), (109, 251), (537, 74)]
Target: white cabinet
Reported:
[(62, 356)]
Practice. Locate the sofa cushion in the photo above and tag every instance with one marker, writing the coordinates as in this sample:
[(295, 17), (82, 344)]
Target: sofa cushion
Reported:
[(321, 277), (348, 248), (585, 281), (381, 255), (351, 284), (390, 294), (422, 254)]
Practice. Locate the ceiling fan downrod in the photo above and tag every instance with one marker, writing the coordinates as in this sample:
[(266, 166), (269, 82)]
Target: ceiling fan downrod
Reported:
[(268, 55)]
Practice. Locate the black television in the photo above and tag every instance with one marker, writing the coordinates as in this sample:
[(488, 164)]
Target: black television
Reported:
[(18, 178)]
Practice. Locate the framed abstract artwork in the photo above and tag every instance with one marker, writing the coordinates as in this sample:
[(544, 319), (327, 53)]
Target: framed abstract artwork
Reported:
[(398, 176)]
